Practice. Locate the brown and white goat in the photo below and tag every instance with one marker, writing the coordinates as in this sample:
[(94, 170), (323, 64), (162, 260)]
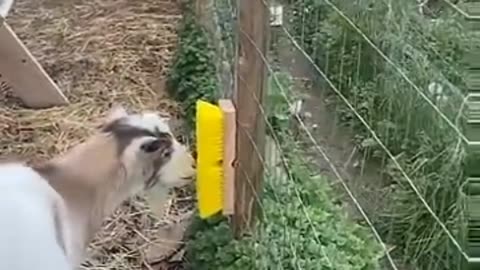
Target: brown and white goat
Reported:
[(50, 213), (5, 6)]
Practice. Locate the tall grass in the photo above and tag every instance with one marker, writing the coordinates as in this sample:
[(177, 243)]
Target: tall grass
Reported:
[(427, 148)]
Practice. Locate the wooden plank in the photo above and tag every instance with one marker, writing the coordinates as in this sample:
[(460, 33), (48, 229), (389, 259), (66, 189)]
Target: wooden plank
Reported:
[(250, 91), (24, 74), (229, 145)]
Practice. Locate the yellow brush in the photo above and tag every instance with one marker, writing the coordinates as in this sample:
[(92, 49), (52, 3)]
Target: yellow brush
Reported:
[(209, 127)]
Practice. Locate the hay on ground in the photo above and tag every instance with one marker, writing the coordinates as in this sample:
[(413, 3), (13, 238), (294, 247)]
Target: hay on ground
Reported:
[(99, 52)]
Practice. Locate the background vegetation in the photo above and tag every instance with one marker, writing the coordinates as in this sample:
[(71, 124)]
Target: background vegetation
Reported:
[(193, 76), (301, 226), (383, 66), (393, 103)]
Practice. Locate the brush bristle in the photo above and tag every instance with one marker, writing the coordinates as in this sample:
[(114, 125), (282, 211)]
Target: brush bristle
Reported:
[(209, 161)]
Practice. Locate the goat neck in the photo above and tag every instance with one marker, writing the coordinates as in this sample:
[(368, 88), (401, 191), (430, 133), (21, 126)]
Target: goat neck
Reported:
[(88, 178)]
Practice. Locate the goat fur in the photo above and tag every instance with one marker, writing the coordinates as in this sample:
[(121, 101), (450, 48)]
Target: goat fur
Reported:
[(31, 234), (5, 6), (50, 213)]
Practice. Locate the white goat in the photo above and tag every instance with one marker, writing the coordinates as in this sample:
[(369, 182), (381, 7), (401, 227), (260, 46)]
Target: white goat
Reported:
[(49, 213), (437, 93), (297, 113), (5, 6)]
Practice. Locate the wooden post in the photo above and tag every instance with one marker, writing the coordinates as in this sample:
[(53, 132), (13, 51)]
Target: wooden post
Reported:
[(22, 71), (250, 90), (201, 10)]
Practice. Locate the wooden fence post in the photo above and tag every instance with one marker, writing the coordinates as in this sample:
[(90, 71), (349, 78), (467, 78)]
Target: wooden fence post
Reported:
[(201, 10), (251, 86)]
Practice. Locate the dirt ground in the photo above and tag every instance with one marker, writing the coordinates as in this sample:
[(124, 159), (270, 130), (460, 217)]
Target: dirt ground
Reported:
[(100, 52)]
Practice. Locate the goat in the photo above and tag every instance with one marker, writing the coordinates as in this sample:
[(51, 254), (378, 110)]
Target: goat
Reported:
[(295, 114), (437, 92), (298, 115), (5, 6), (51, 211)]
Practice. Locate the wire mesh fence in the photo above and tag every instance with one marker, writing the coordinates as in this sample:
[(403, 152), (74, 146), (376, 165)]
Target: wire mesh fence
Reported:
[(359, 132), (219, 19)]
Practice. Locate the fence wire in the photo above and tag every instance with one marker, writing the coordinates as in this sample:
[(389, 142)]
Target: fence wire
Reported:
[(364, 117)]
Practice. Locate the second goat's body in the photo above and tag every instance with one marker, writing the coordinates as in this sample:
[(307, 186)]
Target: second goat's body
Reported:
[(31, 214)]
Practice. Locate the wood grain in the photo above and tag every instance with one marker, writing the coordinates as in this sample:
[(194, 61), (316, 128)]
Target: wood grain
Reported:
[(24, 74)]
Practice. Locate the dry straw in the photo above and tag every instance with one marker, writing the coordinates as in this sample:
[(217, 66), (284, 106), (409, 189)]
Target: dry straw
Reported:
[(99, 52)]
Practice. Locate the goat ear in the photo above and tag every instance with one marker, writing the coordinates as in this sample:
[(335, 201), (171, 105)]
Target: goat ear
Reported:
[(115, 113)]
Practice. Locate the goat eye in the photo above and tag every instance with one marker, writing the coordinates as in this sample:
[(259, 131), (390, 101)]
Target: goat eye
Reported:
[(180, 139), (152, 146), (167, 153)]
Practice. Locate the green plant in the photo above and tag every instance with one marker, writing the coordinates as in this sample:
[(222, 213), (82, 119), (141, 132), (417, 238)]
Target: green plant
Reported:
[(225, 10), (300, 233), (193, 74), (303, 230), (276, 105), (426, 146), (301, 226)]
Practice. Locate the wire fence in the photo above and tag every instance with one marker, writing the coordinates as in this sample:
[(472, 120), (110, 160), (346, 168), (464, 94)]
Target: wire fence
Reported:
[(359, 131), (219, 19)]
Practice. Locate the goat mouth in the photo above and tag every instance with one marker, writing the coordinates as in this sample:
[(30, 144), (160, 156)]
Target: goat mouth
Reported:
[(182, 182), (152, 181)]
